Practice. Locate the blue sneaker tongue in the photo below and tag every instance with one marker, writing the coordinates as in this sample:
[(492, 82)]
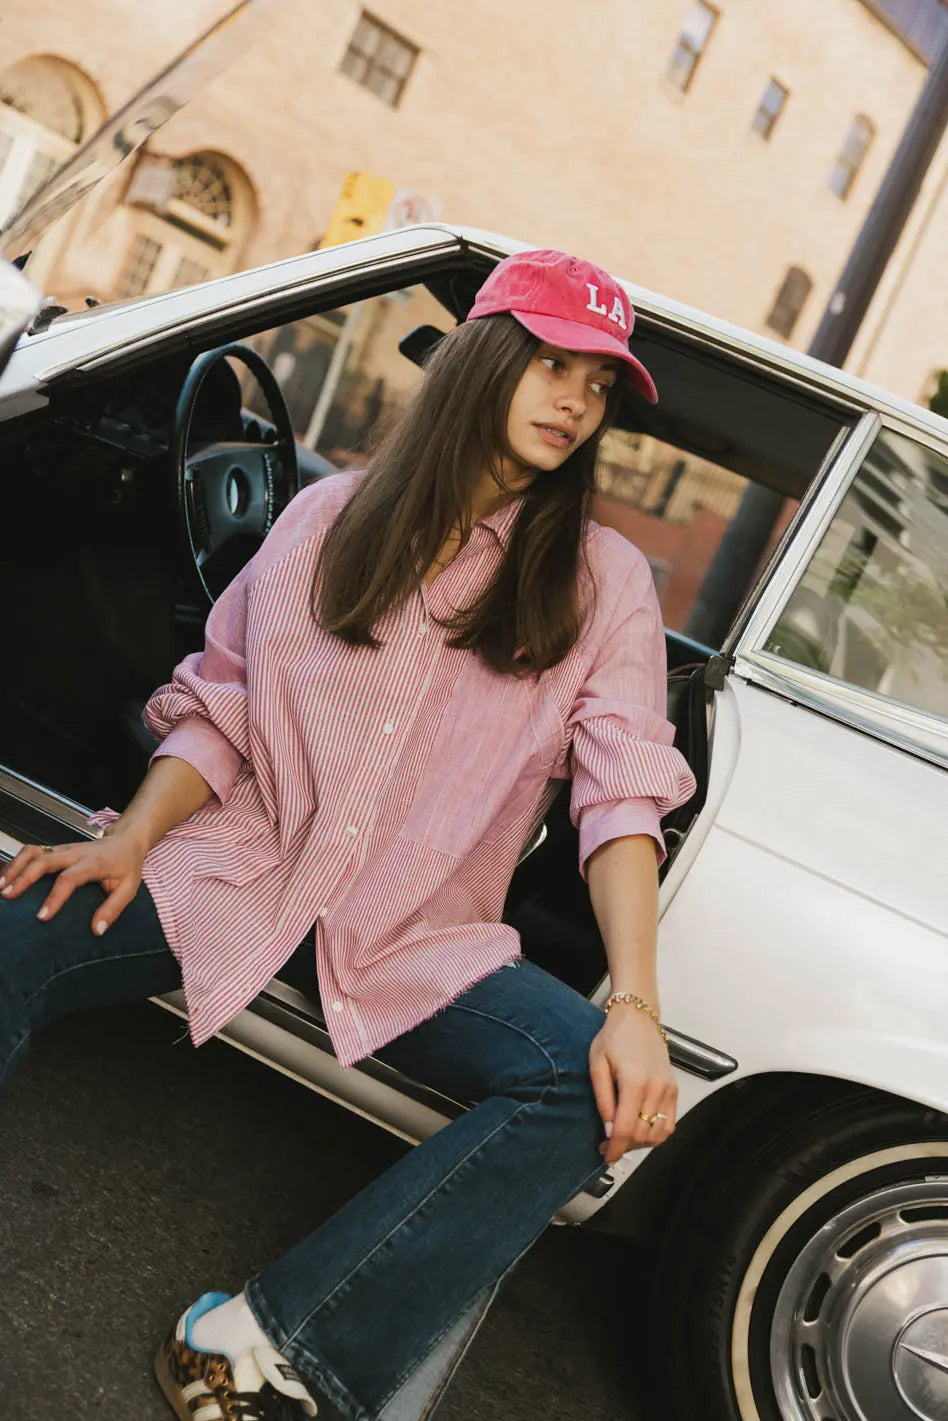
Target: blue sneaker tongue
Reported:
[(205, 1303)]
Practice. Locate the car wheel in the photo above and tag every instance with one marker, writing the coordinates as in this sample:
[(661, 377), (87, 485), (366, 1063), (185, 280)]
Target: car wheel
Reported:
[(808, 1280)]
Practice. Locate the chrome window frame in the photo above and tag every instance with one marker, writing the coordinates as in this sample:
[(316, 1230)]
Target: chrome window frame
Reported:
[(903, 726)]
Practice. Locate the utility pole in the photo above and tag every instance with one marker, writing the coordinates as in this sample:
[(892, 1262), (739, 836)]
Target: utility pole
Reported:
[(744, 541)]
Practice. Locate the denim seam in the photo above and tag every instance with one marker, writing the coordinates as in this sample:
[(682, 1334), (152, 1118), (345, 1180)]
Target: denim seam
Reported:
[(94, 962), (408, 1217), (494, 1287), (438, 1396), (337, 1393), (512, 1026)]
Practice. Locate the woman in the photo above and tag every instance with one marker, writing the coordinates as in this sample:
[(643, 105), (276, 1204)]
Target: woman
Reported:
[(389, 694)]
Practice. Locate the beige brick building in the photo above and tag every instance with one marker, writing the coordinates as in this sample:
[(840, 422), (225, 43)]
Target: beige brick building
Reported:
[(631, 132)]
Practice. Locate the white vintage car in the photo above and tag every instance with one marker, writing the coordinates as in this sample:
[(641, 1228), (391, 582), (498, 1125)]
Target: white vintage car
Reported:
[(799, 1215)]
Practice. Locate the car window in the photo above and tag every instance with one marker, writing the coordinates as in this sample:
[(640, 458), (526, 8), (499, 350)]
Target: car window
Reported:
[(872, 606), (676, 506), (674, 476), (342, 373)]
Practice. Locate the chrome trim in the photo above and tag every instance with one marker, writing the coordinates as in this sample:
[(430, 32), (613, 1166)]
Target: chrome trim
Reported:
[(812, 520), (696, 1058), (57, 806), (295, 1011), (279, 1001), (296, 1048), (899, 725), (243, 293), (770, 572)]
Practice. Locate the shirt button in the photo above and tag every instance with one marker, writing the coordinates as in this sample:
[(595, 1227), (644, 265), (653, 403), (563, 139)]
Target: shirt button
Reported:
[(337, 1006), (387, 728), (352, 830), (423, 629), (322, 912)]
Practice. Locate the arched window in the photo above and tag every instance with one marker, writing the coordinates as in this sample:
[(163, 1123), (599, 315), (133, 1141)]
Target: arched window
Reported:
[(187, 218), (790, 300), (854, 149), (47, 108)]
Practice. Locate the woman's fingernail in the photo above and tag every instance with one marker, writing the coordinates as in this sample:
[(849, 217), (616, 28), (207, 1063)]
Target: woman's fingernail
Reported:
[(101, 926), (8, 890), (608, 1129), (43, 913), (3, 879)]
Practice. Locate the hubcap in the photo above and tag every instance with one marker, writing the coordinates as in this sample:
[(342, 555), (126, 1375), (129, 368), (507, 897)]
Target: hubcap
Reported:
[(860, 1328)]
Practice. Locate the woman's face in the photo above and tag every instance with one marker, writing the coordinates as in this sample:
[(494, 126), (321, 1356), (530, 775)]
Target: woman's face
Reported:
[(558, 404)]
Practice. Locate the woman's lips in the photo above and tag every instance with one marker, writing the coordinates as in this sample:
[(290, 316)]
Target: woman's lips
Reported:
[(558, 438)]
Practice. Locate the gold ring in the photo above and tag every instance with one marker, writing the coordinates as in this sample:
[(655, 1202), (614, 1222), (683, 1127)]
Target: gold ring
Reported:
[(48, 848), (650, 1119)]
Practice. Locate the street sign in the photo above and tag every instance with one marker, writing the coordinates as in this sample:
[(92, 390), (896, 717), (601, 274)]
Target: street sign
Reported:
[(361, 209), (409, 207)]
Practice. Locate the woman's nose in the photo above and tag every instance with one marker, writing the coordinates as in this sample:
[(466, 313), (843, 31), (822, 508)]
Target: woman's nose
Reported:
[(572, 397)]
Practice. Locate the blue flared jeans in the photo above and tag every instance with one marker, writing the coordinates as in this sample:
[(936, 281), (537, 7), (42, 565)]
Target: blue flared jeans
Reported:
[(377, 1306)]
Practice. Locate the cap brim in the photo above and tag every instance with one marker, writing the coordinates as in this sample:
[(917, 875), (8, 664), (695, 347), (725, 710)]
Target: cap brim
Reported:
[(576, 335)]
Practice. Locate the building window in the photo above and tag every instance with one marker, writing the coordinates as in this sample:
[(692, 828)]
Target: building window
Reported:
[(847, 165), (190, 273), (379, 59), (46, 109), (790, 300), (770, 108), (203, 185), (139, 265), (692, 43)]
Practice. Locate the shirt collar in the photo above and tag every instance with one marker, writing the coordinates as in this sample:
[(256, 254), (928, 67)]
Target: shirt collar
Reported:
[(503, 519)]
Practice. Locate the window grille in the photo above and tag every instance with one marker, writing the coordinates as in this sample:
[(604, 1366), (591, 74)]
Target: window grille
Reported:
[(139, 265), (853, 151), (379, 59), (790, 301), (692, 43), (770, 108)]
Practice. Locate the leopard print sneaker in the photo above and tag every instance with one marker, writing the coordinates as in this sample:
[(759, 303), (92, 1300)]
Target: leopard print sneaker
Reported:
[(257, 1385)]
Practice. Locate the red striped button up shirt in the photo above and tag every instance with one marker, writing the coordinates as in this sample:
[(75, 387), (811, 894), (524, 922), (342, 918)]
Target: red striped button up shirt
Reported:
[(385, 794)]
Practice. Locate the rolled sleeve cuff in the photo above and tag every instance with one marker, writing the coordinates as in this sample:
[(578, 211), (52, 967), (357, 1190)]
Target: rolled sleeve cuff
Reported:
[(599, 823), (204, 747)]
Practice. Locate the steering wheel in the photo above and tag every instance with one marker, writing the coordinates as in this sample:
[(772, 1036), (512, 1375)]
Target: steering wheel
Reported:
[(230, 491)]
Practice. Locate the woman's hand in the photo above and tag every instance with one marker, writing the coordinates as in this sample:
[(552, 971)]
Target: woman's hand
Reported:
[(115, 861), (631, 1073)]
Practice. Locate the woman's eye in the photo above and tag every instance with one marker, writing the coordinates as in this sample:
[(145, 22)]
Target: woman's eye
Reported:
[(601, 388), (553, 361)]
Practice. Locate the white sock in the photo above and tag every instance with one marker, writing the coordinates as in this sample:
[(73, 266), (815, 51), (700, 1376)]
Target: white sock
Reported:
[(230, 1327)]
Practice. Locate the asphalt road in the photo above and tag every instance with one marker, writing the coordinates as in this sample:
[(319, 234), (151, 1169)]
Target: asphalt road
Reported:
[(136, 1173)]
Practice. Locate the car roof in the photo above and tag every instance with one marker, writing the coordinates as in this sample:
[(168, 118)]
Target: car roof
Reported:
[(93, 339)]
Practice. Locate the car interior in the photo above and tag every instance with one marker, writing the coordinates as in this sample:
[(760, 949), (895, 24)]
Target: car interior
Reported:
[(138, 494)]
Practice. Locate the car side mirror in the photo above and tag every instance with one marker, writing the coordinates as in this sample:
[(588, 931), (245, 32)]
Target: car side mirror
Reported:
[(418, 344)]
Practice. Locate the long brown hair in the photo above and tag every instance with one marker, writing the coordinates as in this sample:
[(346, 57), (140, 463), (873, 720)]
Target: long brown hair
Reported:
[(419, 485)]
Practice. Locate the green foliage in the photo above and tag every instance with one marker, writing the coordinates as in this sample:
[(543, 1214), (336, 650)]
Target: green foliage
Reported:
[(939, 400)]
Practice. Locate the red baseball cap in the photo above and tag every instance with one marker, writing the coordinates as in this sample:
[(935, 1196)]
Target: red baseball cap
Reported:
[(568, 302)]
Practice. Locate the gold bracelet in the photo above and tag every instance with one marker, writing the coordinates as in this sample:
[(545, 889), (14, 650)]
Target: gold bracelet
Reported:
[(642, 1006)]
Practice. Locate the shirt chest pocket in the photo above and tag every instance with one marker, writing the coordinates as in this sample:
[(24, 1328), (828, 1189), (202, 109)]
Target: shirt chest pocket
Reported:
[(497, 743)]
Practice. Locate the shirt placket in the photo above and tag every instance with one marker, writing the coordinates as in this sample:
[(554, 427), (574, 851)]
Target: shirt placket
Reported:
[(359, 833)]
